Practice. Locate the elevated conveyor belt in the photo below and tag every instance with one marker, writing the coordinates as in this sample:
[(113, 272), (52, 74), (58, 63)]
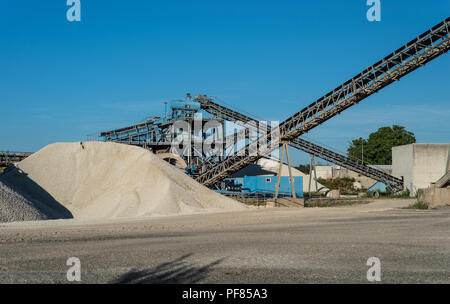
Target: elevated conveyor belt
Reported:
[(401, 62), (393, 184), (130, 132)]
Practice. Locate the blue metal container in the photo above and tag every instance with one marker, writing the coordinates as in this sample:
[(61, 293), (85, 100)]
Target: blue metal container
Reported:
[(267, 184)]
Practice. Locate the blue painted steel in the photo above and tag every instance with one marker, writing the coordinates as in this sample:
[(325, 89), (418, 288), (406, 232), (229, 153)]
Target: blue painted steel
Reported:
[(185, 105), (378, 186), (267, 184)]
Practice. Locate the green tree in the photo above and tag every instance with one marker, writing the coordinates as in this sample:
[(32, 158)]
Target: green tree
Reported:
[(303, 168), (377, 149)]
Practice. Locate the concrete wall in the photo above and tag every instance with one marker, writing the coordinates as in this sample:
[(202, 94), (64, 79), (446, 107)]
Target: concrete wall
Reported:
[(325, 172), (420, 164), (364, 181), (402, 165), (430, 163), (434, 197), (332, 172)]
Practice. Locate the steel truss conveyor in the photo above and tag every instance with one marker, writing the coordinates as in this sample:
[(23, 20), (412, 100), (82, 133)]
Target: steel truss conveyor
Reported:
[(392, 183), (135, 135), (401, 62)]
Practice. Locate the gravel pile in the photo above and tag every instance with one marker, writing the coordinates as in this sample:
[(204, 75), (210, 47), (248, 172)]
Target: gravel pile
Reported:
[(109, 180), (16, 207)]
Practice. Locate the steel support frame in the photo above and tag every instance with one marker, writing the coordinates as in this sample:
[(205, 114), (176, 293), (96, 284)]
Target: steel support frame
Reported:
[(406, 59)]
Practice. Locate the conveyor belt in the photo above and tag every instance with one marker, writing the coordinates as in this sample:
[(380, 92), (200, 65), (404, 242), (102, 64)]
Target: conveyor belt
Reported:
[(401, 62)]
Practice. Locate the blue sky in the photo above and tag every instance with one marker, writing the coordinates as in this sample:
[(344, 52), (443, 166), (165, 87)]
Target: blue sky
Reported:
[(60, 81)]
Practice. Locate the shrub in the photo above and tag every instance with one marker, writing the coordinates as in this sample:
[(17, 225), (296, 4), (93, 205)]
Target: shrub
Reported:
[(417, 205), (343, 184)]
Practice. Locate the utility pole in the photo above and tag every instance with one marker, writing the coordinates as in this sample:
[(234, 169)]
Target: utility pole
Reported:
[(312, 168), (362, 151)]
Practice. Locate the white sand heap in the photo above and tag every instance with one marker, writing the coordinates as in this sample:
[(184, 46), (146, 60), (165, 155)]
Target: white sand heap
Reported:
[(107, 180)]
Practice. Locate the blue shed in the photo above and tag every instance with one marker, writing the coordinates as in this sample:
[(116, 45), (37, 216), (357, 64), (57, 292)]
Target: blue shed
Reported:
[(268, 184)]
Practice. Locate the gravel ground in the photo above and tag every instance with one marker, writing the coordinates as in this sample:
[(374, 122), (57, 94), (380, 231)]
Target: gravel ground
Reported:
[(272, 245)]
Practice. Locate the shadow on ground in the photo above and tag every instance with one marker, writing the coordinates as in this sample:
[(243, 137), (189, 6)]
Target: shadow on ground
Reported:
[(178, 271)]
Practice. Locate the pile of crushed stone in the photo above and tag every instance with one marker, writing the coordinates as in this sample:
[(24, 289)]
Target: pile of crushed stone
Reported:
[(15, 206), (109, 180)]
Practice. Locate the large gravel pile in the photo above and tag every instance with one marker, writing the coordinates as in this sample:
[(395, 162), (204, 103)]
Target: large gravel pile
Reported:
[(107, 180), (14, 206)]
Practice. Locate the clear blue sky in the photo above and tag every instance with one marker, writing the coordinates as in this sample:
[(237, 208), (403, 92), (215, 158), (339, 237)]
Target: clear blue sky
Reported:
[(60, 81)]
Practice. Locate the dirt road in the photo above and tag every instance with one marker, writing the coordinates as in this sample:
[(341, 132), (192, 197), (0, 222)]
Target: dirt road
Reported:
[(273, 245)]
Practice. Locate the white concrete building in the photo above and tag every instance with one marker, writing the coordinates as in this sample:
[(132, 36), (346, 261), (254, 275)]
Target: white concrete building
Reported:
[(325, 172), (420, 164), (361, 181)]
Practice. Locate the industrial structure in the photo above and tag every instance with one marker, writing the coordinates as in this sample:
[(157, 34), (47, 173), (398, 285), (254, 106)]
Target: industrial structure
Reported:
[(190, 125), (160, 133), (227, 157), (10, 157), (401, 62)]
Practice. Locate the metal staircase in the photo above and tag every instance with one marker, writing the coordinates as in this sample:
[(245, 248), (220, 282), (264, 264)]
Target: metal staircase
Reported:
[(401, 62), (443, 181)]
